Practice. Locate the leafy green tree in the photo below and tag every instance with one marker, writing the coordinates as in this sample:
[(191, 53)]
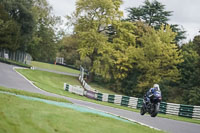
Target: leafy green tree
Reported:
[(154, 14), (9, 31), (190, 71), (152, 60), (44, 42), (92, 19), (179, 31), (194, 96), (115, 62), (21, 20), (68, 49), (196, 42), (160, 58)]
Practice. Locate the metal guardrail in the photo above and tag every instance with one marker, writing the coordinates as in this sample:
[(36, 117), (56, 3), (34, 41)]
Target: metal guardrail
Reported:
[(133, 102), (74, 89)]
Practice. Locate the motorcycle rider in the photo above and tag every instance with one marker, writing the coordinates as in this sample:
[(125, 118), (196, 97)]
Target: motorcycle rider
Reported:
[(150, 93)]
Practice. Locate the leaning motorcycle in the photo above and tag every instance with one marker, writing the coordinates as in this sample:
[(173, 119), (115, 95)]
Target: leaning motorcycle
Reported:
[(152, 106)]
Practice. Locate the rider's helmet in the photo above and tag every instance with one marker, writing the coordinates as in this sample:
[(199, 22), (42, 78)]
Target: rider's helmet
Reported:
[(156, 87)]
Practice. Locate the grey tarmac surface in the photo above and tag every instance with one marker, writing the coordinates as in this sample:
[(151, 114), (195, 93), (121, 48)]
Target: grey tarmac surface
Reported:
[(11, 79)]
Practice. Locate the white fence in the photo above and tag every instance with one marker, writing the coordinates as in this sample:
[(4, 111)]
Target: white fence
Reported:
[(18, 56)]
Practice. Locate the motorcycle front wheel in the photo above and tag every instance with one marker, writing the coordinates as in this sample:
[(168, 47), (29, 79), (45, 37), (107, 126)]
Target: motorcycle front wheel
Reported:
[(142, 110), (156, 110)]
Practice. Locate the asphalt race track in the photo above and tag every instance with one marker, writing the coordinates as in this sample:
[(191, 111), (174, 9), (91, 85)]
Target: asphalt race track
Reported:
[(11, 79)]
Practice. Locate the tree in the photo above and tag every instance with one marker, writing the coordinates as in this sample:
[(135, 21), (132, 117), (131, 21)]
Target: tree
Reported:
[(29, 26), (9, 31), (18, 23), (92, 19), (196, 42), (190, 71), (22, 20), (160, 58), (44, 43), (194, 96), (154, 14), (114, 62), (68, 49), (179, 31)]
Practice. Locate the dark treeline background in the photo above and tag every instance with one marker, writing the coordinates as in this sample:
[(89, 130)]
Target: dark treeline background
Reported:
[(126, 55), (30, 26)]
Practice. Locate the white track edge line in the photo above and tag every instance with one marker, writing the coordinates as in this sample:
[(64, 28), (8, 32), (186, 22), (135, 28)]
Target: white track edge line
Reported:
[(26, 78)]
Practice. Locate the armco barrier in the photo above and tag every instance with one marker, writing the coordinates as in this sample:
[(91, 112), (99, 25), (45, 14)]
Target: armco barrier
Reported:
[(111, 98), (133, 102), (165, 108), (105, 97), (99, 96), (87, 87), (172, 108), (66, 87), (118, 99), (78, 90), (91, 94), (74, 89), (196, 112), (139, 103), (125, 101), (186, 111)]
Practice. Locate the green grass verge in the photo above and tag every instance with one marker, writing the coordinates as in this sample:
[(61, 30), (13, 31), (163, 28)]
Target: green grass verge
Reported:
[(102, 89), (14, 63), (54, 67), (25, 93), (23, 116), (52, 82), (69, 70)]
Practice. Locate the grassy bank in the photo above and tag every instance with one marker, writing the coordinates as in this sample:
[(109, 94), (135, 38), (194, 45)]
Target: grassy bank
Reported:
[(22, 116), (54, 67), (69, 70), (54, 83)]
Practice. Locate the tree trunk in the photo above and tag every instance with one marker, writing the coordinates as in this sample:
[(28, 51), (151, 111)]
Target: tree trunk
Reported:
[(90, 77)]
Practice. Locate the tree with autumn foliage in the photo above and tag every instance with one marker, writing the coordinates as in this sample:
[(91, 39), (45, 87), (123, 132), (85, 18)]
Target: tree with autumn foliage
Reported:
[(92, 19)]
